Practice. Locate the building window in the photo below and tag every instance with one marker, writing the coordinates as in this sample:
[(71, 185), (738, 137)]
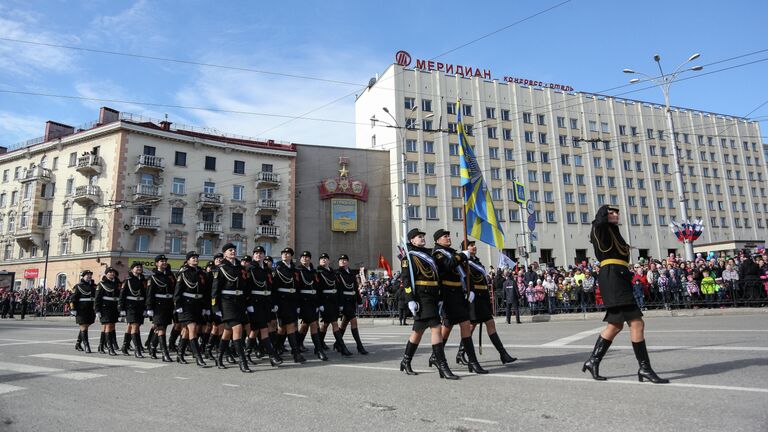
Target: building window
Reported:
[(429, 147), (570, 217), (453, 149), (456, 192), (409, 103), (490, 112), (180, 159), (72, 162), (467, 110), (454, 170), (542, 138), (413, 212), (206, 247), (430, 190), (492, 132), (509, 154), (493, 152), (209, 187), (540, 119), (457, 213), (527, 118), (432, 212), (528, 136), (238, 192), (210, 163), (239, 167), (505, 114), (429, 168), (496, 194), (413, 189), (237, 220), (63, 245), (177, 215), (410, 145), (175, 245), (450, 108), (179, 186), (561, 122), (142, 243), (514, 215), (426, 105), (532, 176), (506, 134), (574, 123)]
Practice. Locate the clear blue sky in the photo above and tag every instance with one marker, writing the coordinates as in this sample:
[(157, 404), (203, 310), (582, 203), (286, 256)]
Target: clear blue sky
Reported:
[(583, 43)]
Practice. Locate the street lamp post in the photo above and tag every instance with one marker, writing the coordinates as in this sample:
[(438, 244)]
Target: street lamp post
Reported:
[(403, 158), (664, 81)]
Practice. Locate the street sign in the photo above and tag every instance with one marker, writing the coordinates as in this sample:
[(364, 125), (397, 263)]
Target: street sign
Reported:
[(530, 207), (531, 222), (519, 192), (534, 236)]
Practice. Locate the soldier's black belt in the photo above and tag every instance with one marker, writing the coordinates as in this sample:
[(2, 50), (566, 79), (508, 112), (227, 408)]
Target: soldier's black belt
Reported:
[(426, 283), (165, 296), (348, 292), (86, 299), (264, 293), (286, 290), (308, 292), (109, 298), (452, 283), (134, 298), (193, 296), (232, 292)]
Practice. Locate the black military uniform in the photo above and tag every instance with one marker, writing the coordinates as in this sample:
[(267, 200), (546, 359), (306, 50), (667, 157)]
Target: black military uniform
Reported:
[(330, 299), (105, 305), (132, 302), (259, 283), (309, 303), (230, 297), (347, 282), (284, 280), (81, 304), (191, 301), (160, 288)]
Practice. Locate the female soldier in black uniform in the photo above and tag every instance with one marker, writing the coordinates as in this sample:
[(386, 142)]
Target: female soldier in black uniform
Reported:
[(160, 289), (105, 305), (421, 281), (615, 281), (260, 286), (350, 295), (480, 310), (133, 298), (452, 292), (229, 298), (330, 299), (81, 307), (309, 303), (284, 283), (191, 302)]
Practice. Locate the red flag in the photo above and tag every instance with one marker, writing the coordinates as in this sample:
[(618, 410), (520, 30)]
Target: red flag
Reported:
[(383, 263)]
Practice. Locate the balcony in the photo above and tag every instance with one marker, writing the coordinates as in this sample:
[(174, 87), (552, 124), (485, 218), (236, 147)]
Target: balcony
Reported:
[(36, 173), (206, 199), (145, 193), (88, 165), (213, 229), (150, 223), (87, 195), (267, 179), (150, 163), (83, 226), (31, 235), (267, 231), (267, 206)]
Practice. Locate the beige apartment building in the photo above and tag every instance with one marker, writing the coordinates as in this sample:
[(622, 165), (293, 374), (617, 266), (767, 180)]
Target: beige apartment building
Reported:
[(573, 151), (126, 188)]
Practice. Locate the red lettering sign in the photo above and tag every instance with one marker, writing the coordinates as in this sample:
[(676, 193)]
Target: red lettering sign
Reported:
[(31, 273)]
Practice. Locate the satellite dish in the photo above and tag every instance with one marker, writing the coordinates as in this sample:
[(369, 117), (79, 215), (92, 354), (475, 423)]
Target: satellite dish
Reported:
[(371, 82)]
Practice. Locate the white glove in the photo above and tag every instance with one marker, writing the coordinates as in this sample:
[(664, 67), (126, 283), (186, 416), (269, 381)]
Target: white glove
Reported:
[(413, 306), (274, 309), (98, 315), (150, 313), (249, 309), (466, 253), (218, 314), (298, 310), (145, 314), (440, 307), (321, 308), (122, 313), (73, 312), (206, 312), (179, 310), (471, 296), (341, 308)]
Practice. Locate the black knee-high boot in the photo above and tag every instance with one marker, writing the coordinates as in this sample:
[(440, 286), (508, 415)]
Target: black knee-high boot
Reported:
[(360, 347), (137, 343), (505, 357), (86, 342), (472, 363), (164, 347), (172, 340), (593, 362), (182, 350), (126, 342), (441, 363), (249, 349), (195, 347), (321, 335), (318, 347), (297, 357), (240, 347), (300, 340), (154, 341), (112, 343), (150, 337), (79, 343), (223, 348), (405, 364), (339, 345), (645, 371), (213, 343), (274, 359), (102, 342)]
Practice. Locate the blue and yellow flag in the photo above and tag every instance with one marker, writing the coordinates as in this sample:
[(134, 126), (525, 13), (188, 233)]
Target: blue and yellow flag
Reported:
[(480, 215)]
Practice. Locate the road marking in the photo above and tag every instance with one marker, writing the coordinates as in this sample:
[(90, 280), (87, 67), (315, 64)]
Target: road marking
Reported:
[(295, 395), (7, 388), (35, 342), (373, 367), (181, 378), (573, 338), (676, 347), (230, 385), (706, 331), (476, 420), (104, 361), (58, 373), (141, 372)]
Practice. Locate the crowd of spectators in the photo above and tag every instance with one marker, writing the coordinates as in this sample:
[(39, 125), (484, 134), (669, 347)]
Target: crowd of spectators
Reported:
[(30, 302)]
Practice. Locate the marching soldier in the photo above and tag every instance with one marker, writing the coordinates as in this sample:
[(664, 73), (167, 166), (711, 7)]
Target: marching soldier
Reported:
[(260, 285), (284, 280), (347, 283), (105, 306), (191, 302), (421, 281), (81, 307), (330, 299), (214, 321), (455, 300), (160, 308), (131, 304), (272, 321), (481, 310), (309, 304), (230, 302)]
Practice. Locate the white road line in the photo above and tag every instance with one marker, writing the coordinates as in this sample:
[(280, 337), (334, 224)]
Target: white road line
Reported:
[(295, 395), (585, 380), (677, 347), (230, 385), (104, 361), (35, 342), (573, 338), (181, 378), (706, 331), (140, 372), (476, 420), (58, 373), (7, 388)]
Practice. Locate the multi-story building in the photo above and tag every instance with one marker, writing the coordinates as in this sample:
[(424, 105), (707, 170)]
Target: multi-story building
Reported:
[(126, 188), (574, 152)]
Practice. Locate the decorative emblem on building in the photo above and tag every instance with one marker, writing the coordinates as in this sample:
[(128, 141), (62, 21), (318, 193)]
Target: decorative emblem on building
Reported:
[(344, 194)]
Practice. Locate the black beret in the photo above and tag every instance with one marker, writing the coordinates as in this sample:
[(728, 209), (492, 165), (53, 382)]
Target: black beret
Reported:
[(111, 269), (415, 232), (246, 258), (343, 257), (136, 264), (85, 272), (439, 233), (161, 257), (228, 246), (466, 243), (218, 255), (287, 250), (191, 254), (268, 258), (324, 255), (259, 249), (306, 254)]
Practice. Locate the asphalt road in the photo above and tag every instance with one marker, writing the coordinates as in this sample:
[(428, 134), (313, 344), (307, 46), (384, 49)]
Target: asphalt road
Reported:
[(718, 366)]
